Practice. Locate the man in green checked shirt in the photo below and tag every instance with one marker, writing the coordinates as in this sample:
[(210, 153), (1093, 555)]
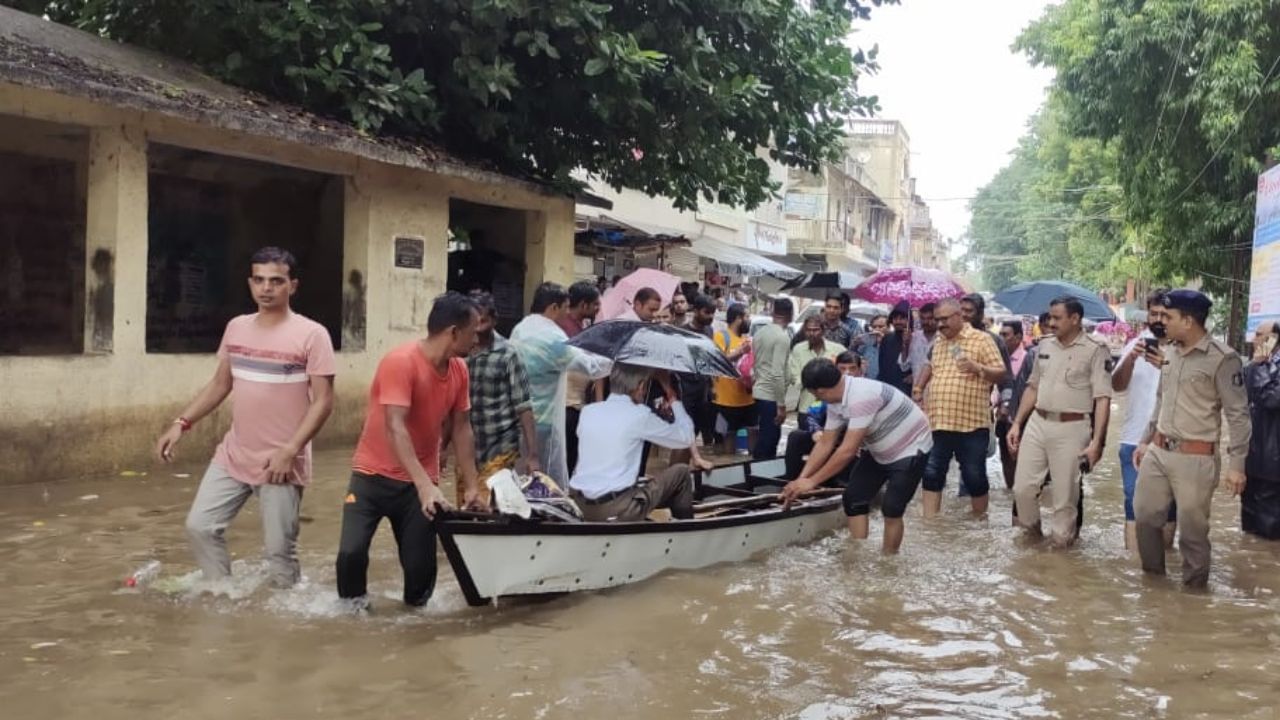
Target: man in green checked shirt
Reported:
[(501, 411)]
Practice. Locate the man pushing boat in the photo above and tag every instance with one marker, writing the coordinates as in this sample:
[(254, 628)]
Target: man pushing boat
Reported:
[(883, 421)]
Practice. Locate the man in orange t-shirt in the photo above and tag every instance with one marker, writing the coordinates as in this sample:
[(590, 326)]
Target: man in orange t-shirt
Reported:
[(419, 387), (733, 401)]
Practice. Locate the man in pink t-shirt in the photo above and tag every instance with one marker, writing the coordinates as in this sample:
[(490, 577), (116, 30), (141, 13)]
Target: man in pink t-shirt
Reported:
[(280, 366)]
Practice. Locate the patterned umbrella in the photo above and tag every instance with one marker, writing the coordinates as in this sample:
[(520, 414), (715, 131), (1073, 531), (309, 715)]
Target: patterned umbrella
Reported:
[(655, 346), (918, 286)]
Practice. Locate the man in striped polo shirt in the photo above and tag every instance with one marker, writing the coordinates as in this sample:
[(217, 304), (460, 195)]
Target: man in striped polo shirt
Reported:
[(882, 421), (280, 366)]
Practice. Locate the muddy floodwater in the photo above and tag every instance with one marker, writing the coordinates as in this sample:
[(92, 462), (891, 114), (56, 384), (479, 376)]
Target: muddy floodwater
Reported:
[(968, 622)]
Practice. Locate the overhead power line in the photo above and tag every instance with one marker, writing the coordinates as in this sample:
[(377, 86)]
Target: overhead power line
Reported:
[(1221, 146), (1195, 81), (1163, 100)]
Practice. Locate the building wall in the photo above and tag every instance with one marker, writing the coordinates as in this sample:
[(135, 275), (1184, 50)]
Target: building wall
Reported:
[(833, 221), (884, 147), (99, 411), (761, 230)]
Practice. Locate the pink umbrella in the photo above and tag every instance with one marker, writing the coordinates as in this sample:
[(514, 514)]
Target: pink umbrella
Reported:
[(918, 286), (618, 299), (1118, 327)]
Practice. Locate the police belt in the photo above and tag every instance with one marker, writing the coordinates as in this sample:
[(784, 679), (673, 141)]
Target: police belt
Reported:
[(1185, 447), (1062, 416)]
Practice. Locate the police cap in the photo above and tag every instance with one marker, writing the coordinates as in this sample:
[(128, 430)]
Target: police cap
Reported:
[(1189, 301)]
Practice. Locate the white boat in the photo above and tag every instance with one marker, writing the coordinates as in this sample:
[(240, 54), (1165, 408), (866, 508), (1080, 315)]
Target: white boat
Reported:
[(737, 517)]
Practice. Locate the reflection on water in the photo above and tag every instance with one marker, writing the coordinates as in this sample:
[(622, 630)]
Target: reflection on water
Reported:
[(969, 621)]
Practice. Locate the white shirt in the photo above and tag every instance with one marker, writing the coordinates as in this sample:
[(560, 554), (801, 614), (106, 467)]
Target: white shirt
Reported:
[(611, 438), (1143, 387), (918, 355), (896, 427)]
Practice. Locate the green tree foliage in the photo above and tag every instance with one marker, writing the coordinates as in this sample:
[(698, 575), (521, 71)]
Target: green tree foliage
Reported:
[(1054, 212), (1185, 93), (672, 97)]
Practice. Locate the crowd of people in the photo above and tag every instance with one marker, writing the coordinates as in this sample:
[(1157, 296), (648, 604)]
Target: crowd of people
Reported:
[(879, 412)]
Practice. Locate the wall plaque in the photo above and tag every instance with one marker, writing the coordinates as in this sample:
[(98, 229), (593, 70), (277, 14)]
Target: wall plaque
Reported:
[(409, 252)]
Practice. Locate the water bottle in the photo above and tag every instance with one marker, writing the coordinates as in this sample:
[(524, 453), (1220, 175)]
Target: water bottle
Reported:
[(144, 574)]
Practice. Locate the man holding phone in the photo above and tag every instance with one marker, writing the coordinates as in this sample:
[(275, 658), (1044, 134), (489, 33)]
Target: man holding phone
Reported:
[(955, 391), (1139, 374), (1071, 380), (1201, 380)]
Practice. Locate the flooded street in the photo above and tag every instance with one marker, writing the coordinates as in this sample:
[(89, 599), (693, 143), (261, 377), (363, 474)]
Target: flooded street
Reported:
[(968, 622)]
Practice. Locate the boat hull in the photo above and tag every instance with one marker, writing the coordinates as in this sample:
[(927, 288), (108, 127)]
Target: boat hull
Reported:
[(493, 559)]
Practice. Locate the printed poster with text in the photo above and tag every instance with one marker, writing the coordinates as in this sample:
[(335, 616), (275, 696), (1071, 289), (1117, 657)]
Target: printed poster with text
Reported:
[(1264, 283)]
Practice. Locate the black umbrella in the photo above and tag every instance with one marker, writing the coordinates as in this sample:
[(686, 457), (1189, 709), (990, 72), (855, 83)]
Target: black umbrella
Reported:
[(661, 347), (1033, 298)]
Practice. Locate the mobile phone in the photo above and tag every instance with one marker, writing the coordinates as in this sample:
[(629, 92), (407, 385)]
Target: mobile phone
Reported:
[(1153, 345)]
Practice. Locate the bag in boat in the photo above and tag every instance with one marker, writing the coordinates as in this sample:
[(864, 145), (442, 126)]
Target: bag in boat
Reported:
[(548, 499), (529, 495)]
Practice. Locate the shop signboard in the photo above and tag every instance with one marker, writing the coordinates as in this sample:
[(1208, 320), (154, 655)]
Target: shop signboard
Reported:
[(766, 238), (801, 206)]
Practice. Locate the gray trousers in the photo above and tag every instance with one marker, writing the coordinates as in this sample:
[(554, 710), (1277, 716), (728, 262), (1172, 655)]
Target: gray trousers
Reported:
[(672, 488), (219, 499)]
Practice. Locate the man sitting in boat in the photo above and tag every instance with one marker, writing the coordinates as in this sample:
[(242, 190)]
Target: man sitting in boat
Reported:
[(896, 437), (812, 419), (611, 438)]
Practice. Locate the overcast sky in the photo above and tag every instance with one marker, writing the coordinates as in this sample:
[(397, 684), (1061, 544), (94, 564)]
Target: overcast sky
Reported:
[(948, 74)]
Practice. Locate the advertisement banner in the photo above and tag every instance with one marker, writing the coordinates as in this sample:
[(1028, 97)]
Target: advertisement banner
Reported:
[(1264, 281)]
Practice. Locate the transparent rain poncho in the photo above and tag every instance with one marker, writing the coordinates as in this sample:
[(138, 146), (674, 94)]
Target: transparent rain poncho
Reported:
[(543, 348)]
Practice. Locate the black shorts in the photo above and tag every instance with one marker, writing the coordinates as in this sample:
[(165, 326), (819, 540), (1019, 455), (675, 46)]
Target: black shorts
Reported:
[(738, 417), (900, 480)]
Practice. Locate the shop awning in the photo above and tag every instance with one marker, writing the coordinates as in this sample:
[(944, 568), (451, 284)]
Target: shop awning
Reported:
[(610, 231), (741, 260), (843, 263), (644, 228)]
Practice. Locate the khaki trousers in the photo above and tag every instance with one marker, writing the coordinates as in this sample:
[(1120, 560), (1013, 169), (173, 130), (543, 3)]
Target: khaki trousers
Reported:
[(1050, 449), (672, 488), (1166, 476)]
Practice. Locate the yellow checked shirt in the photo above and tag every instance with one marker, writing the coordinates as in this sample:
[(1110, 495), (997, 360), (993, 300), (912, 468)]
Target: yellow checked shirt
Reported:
[(956, 401)]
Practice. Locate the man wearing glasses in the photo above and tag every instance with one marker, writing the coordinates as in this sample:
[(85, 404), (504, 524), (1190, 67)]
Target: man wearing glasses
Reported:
[(963, 367)]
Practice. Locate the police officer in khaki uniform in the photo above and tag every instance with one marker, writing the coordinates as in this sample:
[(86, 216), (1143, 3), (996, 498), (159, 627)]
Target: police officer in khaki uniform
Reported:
[(1071, 380), (1200, 380)]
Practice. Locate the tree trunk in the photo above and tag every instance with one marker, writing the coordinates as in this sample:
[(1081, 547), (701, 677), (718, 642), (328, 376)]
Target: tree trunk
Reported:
[(1239, 298)]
